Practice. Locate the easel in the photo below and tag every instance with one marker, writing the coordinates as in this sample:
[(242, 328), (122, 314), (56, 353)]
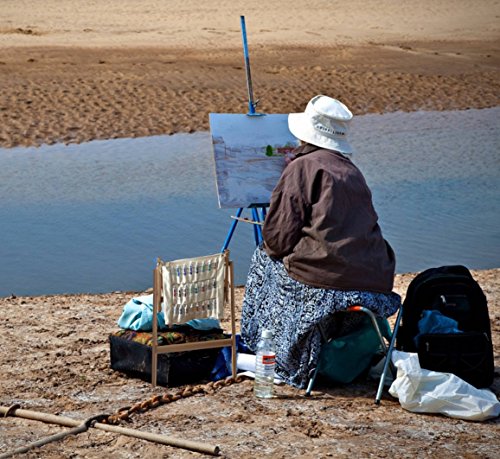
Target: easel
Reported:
[(258, 210)]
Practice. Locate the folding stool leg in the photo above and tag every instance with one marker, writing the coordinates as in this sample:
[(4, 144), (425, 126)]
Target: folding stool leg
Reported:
[(312, 379), (311, 382), (388, 357), (387, 351), (373, 318)]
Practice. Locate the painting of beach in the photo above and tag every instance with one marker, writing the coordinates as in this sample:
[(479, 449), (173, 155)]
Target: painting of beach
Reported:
[(249, 154)]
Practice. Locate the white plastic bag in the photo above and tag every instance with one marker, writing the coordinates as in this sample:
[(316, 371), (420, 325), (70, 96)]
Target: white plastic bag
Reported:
[(425, 391)]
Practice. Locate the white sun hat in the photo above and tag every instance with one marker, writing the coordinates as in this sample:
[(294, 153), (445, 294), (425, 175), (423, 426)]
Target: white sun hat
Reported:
[(325, 123)]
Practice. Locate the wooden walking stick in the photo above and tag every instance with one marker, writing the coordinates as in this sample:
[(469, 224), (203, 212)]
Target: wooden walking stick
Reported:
[(69, 422)]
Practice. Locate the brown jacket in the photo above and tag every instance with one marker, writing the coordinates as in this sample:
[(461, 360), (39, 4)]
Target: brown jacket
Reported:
[(322, 223)]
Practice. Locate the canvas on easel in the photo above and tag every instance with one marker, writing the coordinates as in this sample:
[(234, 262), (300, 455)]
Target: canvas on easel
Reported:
[(249, 154)]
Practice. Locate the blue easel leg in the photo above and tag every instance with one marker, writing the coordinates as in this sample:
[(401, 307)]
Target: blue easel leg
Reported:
[(231, 230), (256, 228)]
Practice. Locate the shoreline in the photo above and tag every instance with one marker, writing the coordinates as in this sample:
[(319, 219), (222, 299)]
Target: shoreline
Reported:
[(490, 277)]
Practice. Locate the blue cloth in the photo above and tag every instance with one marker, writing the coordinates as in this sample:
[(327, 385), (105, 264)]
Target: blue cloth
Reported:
[(222, 366), (137, 315), (433, 321)]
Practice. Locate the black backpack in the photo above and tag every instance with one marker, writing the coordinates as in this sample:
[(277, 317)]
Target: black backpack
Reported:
[(453, 292)]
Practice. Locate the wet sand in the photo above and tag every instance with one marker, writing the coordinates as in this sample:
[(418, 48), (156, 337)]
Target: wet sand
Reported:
[(52, 95), (108, 70)]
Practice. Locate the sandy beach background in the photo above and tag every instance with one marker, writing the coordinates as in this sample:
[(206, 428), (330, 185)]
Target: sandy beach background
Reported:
[(73, 71)]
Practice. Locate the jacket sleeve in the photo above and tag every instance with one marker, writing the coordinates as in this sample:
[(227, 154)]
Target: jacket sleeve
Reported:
[(286, 216)]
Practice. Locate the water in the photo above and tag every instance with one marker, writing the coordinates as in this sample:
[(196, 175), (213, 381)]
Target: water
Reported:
[(94, 217)]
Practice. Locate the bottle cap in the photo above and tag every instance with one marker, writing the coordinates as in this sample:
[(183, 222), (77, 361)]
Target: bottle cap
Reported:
[(267, 334)]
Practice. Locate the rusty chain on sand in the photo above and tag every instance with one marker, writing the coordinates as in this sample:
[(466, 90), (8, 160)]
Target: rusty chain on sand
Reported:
[(123, 414)]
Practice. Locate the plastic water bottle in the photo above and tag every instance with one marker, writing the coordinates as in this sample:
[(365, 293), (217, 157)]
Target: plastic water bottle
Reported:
[(264, 366)]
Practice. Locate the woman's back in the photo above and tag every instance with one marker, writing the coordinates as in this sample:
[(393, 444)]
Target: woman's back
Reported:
[(323, 225)]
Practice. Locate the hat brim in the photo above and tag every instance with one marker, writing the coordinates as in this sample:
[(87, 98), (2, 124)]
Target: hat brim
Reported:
[(300, 126)]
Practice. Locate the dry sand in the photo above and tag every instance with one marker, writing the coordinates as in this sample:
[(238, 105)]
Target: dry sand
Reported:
[(74, 71)]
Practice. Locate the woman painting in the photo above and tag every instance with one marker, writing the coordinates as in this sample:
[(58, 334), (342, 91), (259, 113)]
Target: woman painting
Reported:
[(323, 249)]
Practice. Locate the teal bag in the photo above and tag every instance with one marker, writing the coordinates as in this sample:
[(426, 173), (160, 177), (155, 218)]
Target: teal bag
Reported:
[(137, 315), (343, 359)]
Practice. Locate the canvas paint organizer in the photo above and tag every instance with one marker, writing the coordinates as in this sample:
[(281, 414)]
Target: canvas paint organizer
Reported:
[(249, 155)]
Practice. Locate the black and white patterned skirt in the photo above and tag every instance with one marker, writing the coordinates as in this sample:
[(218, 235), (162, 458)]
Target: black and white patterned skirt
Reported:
[(296, 312)]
